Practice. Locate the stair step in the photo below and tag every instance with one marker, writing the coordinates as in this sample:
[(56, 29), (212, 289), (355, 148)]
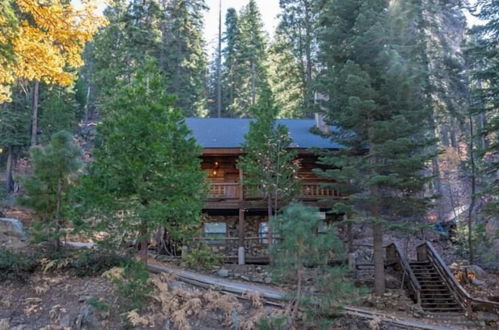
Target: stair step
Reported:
[(438, 300), (442, 310), (441, 306)]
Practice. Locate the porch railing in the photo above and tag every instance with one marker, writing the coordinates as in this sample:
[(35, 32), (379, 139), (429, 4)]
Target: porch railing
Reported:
[(234, 190), (225, 190)]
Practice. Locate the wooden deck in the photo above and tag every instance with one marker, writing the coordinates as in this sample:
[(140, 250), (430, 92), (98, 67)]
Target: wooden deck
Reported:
[(233, 195)]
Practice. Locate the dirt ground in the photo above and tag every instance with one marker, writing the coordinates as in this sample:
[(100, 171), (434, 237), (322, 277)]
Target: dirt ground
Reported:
[(50, 301), (56, 301)]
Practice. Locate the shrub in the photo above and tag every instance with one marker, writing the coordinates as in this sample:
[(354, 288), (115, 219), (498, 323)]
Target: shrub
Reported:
[(132, 283), (16, 266), (203, 257)]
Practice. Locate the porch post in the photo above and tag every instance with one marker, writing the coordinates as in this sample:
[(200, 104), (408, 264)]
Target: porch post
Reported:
[(240, 250), (241, 186)]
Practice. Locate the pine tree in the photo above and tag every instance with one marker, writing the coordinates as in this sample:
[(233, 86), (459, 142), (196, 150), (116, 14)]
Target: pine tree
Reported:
[(483, 54), (268, 164), (298, 29), (182, 57), (47, 189), (231, 77), (146, 174), (119, 49), (372, 81), (300, 246), (285, 79), (250, 58), (59, 111), (14, 128)]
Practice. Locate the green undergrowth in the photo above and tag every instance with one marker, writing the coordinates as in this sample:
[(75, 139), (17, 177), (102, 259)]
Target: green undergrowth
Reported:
[(19, 265)]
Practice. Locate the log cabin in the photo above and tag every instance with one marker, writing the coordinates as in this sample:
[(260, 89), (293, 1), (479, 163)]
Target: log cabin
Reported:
[(234, 221)]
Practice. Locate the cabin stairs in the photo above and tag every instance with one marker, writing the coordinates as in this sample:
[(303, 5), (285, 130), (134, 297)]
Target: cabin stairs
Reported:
[(436, 297)]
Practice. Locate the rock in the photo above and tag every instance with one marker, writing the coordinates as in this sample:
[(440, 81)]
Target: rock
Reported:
[(392, 282), (4, 324), (477, 271), (86, 319), (267, 280), (491, 266), (477, 282), (12, 233), (222, 272), (66, 321), (417, 311), (84, 298), (246, 278), (21, 327), (487, 317)]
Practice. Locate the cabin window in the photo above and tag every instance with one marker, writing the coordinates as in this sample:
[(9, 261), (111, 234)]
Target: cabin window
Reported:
[(323, 225), (215, 232), (263, 232)]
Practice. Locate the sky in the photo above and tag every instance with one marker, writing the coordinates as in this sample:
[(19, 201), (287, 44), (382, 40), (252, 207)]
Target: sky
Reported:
[(268, 8)]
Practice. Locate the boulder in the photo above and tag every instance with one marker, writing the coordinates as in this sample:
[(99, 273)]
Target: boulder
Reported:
[(222, 272), (12, 233), (4, 324), (392, 282), (477, 272)]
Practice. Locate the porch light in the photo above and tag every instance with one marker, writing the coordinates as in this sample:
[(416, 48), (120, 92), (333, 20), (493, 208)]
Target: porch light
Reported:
[(216, 166)]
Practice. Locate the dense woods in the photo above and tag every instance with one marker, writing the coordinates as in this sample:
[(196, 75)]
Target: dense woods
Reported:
[(93, 138)]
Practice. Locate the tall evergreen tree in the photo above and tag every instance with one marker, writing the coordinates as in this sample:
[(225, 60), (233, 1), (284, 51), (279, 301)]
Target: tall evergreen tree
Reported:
[(298, 28), (268, 164), (182, 57), (285, 79), (146, 174), (47, 189), (483, 58), (372, 83), (230, 65), (14, 128), (251, 59), (132, 34)]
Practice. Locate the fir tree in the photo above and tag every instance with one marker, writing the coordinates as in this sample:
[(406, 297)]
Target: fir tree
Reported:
[(298, 24), (251, 58), (268, 164), (373, 86), (285, 79), (230, 66), (133, 34), (483, 59), (146, 174), (14, 128), (182, 57), (47, 189), (301, 245)]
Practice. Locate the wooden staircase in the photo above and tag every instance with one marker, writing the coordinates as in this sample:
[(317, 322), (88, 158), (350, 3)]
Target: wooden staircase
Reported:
[(436, 297), (432, 285)]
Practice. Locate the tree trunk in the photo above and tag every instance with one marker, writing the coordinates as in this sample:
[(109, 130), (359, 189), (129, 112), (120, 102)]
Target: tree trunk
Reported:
[(143, 247), (34, 108), (349, 236), (58, 213), (379, 259), (9, 180), (219, 62), (299, 275), (269, 213), (253, 83), (473, 193)]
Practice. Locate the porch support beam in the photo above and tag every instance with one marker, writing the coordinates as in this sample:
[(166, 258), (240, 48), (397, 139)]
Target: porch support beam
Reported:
[(240, 251)]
